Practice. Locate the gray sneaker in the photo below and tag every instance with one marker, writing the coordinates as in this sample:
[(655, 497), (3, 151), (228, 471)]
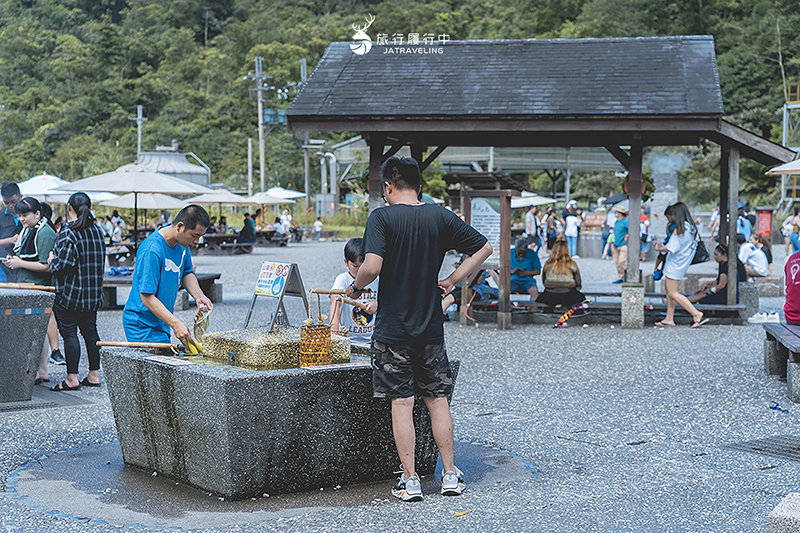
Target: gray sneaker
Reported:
[(57, 358), (409, 490), (452, 483)]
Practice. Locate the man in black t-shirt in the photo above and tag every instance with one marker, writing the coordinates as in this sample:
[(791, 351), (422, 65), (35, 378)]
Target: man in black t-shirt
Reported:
[(405, 244)]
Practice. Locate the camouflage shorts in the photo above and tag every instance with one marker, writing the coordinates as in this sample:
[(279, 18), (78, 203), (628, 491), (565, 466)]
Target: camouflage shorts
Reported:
[(400, 371)]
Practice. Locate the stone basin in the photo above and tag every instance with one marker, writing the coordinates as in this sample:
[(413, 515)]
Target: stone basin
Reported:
[(240, 433), (22, 332)]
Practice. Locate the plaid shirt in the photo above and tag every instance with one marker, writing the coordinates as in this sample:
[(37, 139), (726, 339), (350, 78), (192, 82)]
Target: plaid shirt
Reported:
[(77, 267)]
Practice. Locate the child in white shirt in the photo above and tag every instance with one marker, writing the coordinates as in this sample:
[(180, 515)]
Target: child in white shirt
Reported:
[(359, 323)]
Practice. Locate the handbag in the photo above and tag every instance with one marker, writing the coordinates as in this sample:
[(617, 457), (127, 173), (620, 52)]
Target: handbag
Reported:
[(700, 254)]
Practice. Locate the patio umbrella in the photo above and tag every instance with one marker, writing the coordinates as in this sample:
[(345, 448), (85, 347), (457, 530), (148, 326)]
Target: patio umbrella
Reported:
[(280, 192), (135, 179), (529, 199), (263, 198), (220, 197), (615, 199), (42, 188), (145, 201)]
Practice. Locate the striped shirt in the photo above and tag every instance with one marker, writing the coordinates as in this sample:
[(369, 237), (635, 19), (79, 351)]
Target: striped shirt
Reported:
[(77, 267)]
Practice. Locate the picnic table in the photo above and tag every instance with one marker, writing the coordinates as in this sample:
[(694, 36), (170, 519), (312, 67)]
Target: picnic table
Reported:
[(119, 256), (207, 284), (223, 244)]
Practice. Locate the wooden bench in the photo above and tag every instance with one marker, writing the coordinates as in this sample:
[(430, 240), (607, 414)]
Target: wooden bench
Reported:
[(782, 355), (233, 248), (207, 284)]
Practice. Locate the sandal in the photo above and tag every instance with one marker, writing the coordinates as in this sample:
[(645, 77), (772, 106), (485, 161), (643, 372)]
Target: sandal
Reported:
[(63, 387), (698, 323), (663, 324), (86, 383)]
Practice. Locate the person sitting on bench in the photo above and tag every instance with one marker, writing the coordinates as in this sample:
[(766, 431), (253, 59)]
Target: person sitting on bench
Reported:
[(525, 265), (715, 292), (561, 278)]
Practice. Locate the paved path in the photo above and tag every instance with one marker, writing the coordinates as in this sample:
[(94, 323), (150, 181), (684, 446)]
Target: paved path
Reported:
[(626, 430)]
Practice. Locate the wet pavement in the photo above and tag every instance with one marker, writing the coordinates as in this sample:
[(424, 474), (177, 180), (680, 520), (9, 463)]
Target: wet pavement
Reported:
[(582, 429)]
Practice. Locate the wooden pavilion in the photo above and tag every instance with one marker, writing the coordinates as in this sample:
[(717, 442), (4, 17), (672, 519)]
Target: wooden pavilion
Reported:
[(622, 94)]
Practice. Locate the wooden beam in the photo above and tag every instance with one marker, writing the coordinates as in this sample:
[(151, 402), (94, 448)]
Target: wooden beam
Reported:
[(396, 146), (724, 185), (504, 300), (620, 155), (432, 157), (634, 211)]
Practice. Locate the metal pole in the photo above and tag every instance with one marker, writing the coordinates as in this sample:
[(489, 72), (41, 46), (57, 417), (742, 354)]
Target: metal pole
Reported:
[(249, 166), (306, 153), (260, 90), (139, 118)]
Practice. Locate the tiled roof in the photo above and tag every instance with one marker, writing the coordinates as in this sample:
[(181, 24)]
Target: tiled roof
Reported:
[(666, 76)]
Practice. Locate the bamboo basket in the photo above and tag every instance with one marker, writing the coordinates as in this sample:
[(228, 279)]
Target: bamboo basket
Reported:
[(315, 340)]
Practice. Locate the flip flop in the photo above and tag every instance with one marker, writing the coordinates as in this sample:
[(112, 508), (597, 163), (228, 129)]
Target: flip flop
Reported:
[(63, 387), (86, 383), (699, 323), (39, 381), (663, 324)]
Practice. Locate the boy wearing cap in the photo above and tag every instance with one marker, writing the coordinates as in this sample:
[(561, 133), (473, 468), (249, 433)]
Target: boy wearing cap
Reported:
[(620, 249)]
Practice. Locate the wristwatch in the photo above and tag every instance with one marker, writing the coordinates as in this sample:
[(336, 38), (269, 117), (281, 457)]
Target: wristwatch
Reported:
[(353, 287)]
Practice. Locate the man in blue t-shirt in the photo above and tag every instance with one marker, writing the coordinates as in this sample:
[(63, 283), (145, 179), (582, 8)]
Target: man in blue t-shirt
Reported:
[(620, 249), (163, 262), (525, 265)]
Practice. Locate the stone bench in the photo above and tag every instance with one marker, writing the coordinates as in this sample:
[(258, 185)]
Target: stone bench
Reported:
[(26, 314), (241, 433), (770, 286), (782, 355)]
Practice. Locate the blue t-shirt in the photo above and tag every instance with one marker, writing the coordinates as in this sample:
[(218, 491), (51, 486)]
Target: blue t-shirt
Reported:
[(530, 261), (620, 231), (159, 270), (744, 227)]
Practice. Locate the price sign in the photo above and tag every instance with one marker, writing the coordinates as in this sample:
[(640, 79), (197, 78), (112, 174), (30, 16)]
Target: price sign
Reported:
[(277, 280), (272, 279)]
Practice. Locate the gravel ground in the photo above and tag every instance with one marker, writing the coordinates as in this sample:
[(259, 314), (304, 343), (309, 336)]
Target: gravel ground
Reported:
[(626, 428)]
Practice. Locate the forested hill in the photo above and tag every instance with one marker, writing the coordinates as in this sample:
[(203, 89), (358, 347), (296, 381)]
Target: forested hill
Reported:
[(73, 71)]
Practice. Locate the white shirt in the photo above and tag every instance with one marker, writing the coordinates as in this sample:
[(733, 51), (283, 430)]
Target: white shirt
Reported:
[(681, 250), (358, 323), (317, 225), (749, 254), (572, 226), (286, 220)]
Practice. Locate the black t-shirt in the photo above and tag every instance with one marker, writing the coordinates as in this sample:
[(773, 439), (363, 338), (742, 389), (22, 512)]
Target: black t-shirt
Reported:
[(9, 225), (740, 271), (412, 240)]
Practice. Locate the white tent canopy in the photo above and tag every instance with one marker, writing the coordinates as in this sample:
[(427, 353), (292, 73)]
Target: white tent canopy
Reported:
[(136, 179), (220, 197), (280, 192), (529, 199), (263, 198)]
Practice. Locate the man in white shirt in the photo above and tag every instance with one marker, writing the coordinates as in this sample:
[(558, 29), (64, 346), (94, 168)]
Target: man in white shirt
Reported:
[(755, 261)]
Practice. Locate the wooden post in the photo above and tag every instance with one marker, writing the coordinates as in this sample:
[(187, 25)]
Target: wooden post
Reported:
[(733, 202), (504, 302), (376, 143), (724, 188), (466, 290), (634, 208)]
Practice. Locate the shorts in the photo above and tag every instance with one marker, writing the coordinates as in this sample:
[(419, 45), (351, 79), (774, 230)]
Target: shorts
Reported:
[(401, 371), (521, 286)]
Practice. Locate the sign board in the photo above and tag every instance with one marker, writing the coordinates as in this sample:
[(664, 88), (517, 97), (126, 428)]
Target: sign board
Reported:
[(276, 280), (485, 217), (594, 219)]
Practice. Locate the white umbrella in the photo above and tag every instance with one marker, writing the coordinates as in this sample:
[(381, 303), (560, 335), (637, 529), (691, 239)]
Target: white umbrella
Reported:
[(288, 194), (145, 201), (220, 197), (792, 167), (529, 199), (263, 198), (135, 179), (42, 188)]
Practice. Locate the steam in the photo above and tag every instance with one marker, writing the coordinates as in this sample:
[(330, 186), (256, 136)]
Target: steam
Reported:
[(663, 163)]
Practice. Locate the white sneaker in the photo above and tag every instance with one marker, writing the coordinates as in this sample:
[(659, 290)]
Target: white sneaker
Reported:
[(758, 318), (409, 490), (773, 318), (452, 483)]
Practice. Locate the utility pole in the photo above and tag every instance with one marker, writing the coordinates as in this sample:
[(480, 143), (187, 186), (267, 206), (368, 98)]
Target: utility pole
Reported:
[(259, 79), (139, 121), (249, 166), (306, 153)]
